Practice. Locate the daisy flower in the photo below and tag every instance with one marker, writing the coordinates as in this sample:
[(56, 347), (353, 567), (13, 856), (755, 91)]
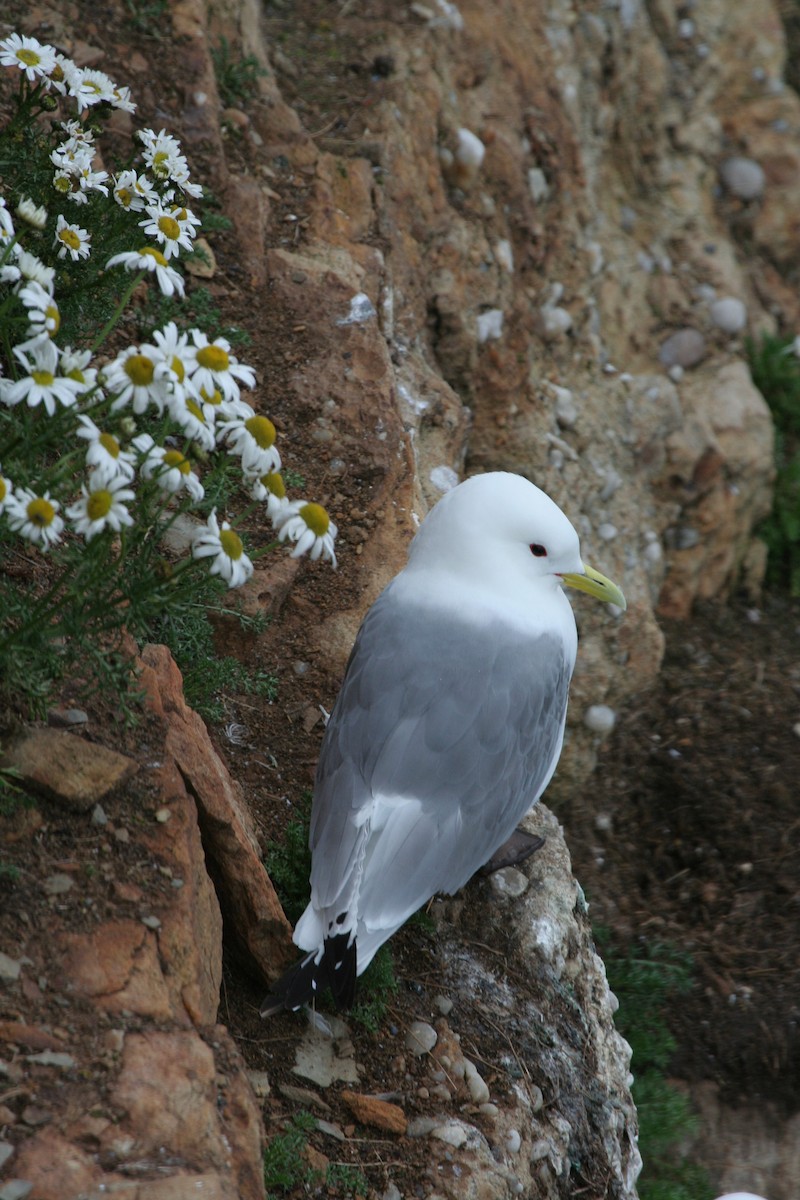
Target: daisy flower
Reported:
[(216, 368), (133, 192), (310, 527), (35, 59), (162, 153), (75, 365), (43, 314), (230, 560), (161, 224), (150, 259), (41, 384), (188, 414), (104, 455), (122, 99), (253, 439), (171, 469), (101, 506), (173, 360), (89, 86), (6, 491), (71, 240), (30, 212), (34, 517), (6, 224), (33, 268), (131, 377), (270, 487)]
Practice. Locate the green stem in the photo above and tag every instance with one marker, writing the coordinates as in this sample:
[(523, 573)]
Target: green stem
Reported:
[(117, 313)]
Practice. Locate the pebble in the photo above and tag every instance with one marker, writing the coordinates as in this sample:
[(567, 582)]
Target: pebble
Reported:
[(452, 1134), (421, 1038), (490, 325), (513, 1141), (151, 922), (443, 1004), (421, 1126), (540, 1149), (566, 410), (51, 1058), (607, 531), (686, 348), (729, 314), (163, 815), (6, 1151), (57, 885), (743, 177), (509, 882), (99, 815), (599, 718), (392, 1193), (478, 1088), (555, 321), (122, 835), (16, 1189), (63, 718), (490, 1110)]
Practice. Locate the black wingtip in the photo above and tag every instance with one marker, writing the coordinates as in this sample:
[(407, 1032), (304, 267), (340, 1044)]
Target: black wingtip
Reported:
[(305, 981)]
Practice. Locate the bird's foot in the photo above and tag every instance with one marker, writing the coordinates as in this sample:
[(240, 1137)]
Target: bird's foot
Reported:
[(520, 845)]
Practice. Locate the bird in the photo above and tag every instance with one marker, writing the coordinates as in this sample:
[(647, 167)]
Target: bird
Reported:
[(448, 725)]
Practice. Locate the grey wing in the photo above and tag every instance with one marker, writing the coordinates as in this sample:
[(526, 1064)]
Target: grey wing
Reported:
[(443, 735)]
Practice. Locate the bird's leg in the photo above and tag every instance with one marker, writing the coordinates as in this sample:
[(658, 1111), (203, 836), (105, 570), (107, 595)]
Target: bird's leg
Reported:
[(520, 845)]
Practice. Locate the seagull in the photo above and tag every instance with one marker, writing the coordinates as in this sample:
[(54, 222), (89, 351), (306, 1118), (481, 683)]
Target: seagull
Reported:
[(448, 725)]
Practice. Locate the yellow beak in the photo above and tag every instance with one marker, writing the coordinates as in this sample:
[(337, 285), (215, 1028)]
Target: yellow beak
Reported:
[(596, 585)]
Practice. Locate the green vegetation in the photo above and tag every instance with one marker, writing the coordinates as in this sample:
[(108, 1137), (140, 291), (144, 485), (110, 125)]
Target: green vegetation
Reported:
[(286, 1167), (236, 77), (208, 676), (776, 373), (643, 982)]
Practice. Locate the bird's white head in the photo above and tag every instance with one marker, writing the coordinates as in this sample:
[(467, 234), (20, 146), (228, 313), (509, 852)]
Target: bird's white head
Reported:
[(501, 530)]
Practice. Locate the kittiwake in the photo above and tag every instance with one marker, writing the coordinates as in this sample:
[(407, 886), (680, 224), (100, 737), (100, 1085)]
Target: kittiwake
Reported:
[(448, 725)]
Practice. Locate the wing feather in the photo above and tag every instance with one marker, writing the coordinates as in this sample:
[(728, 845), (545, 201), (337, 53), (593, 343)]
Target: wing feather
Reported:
[(443, 735)]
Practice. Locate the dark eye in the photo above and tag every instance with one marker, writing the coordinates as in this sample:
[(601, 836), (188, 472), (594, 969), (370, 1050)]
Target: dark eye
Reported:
[(538, 551)]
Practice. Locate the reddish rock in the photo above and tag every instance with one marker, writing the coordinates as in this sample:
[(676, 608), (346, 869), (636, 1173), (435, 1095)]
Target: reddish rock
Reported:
[(369, 1110), (66, 768), (229, 840)]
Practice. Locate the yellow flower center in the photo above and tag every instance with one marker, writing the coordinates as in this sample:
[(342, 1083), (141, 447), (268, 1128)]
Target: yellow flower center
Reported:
[(178, 368), (29, 57), (99, 504), (170, 228), (43, 378), (52, 318), (174, 458), (316, 518), (90, 85), (57, 73), (124, 196), (261, 430), (77, 374), (214, 358), (232, 544), (62, 183), (109, 444), (70, 238), (3, 489), (139, 369), (40, 512), (273, 482), (156, 254), (194, 409), (214, 398), (160, 164)]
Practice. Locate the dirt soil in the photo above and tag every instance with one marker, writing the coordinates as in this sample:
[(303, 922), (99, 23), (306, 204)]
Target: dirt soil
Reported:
[(689, 830)]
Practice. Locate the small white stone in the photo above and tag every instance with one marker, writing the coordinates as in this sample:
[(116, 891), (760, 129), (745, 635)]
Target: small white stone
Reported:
[(513, 1141), (537, 182), (504, 254), (743, 177), (603, 822), (451, 1134), (555, 321), (99, 815), (686, 29), (163, 815), (478, 1088), (9, 968), (444, 478), (509, 882), (685, 348), (676, 373), (600, 718), (443, 1004), (151, 922), (566, 409), (490, 1110), (607, 531), (421, 1038), (729, 314), (470, 150), (490, 325)]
